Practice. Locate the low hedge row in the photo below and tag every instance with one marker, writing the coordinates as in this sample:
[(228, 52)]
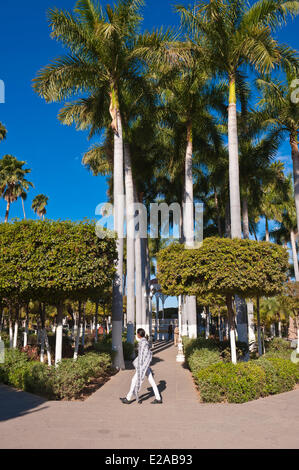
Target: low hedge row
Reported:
[(219, 380), (67, 381), (200, 352)]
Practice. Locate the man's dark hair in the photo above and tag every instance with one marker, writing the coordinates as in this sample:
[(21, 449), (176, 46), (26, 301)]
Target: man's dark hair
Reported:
[(141, 332)]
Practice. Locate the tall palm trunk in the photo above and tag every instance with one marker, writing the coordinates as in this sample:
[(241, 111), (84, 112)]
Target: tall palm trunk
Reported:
[(245, 218), (145, 324), (138, 270), (218, 213), (267, 229), (295, 158), (249, 304), (233, 149), (23, 207), (189, 226), (294, 254), (234, 191), (118, 201), (7, 211), (129, 186)]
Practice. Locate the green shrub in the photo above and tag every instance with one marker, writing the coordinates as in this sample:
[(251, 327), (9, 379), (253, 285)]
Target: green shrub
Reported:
[(201, 358), (67, 381), (278, 347), (233, 383), (40, 380), (211, 348), (281, 374), (104, 345)]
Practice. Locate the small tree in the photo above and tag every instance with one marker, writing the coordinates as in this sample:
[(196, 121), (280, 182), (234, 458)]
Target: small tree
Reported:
[(54, 261), (224, 267)]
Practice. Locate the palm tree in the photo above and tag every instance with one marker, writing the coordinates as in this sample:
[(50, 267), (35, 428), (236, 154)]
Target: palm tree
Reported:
[(238, 34), (101, 44), (13, 183), (3, 132), (39, 204), (282, 114)]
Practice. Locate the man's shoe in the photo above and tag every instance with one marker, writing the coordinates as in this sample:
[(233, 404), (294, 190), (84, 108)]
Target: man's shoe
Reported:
[(155, 402), (125, 401)]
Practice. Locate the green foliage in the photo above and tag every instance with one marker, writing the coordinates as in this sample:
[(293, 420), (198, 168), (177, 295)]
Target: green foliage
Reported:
[(65, 382), (233, 383), (104, 344), (53, 261), (223, 266), (202, 358), (281, 374), (201, 352), (278, 347)]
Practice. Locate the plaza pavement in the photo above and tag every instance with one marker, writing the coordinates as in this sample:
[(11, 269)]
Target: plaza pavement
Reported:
[(182, 422)]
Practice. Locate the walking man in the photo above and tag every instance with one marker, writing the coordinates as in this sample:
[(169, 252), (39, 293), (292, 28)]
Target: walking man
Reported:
[(142, 366)]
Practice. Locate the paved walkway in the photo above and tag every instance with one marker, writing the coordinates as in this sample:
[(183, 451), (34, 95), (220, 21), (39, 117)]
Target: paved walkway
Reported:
[(102, 421)]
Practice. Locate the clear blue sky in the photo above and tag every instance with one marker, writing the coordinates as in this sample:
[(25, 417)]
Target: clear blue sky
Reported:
[(51, 150)]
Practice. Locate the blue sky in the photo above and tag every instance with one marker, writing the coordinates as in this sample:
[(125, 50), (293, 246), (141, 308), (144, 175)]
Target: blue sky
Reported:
[(51, 150)]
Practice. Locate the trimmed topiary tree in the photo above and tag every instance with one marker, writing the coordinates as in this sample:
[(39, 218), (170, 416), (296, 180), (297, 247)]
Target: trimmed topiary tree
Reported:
[(51, 261), (222, 266)]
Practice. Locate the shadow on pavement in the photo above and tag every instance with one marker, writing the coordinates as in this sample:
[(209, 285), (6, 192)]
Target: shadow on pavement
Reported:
[(161, 347), (146, 396), (15, 403)]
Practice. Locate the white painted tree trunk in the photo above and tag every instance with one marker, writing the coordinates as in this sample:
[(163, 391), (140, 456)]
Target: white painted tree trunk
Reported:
[(251, 333), (129, 187), (42, 347), (259, 332), (232, 333), (10, 331), (118, 201), (59, 333), (294, 254), (272, 329), (208, 319), (48, 349), (279, 329), (189, 227), (15, 338)]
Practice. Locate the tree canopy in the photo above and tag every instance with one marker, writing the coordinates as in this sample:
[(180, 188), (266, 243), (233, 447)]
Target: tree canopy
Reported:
[(52, 261), (223, 266)]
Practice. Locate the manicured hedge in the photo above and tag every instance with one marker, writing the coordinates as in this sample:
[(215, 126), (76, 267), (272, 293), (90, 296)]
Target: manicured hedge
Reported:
[(218, 380), (67, 381), (202, 352), (233, 383)]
